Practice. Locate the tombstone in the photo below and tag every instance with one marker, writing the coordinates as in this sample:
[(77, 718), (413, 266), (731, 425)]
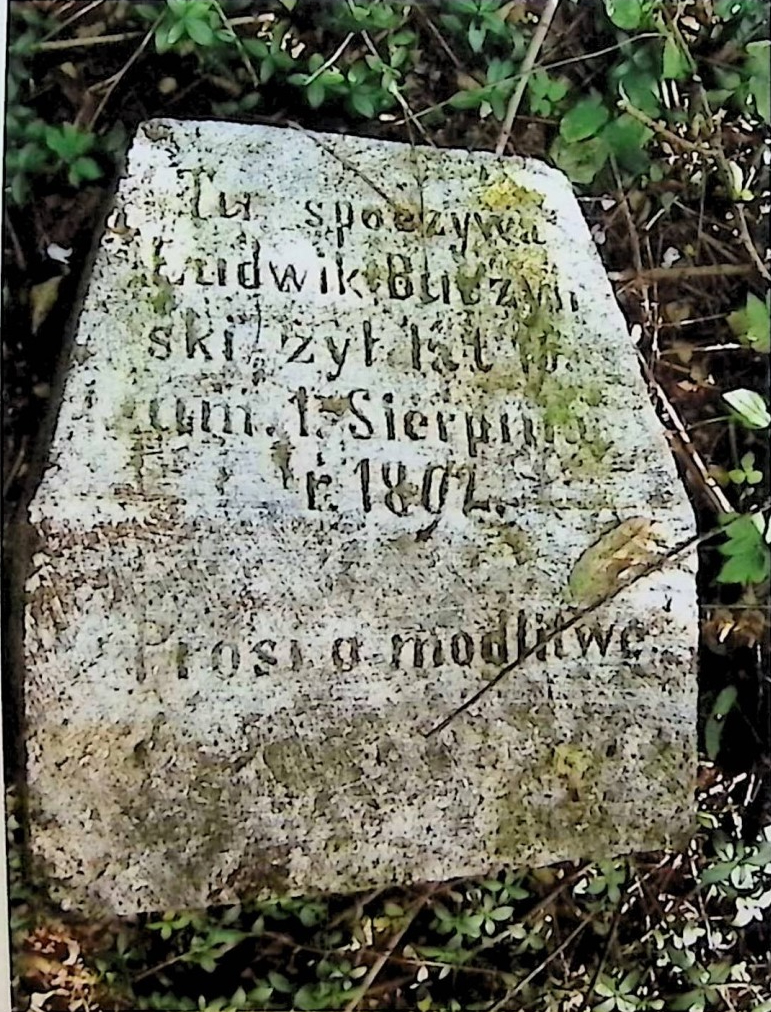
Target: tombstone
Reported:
[(349, 426)]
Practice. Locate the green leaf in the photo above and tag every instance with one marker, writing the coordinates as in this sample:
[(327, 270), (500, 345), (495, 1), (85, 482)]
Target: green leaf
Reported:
[(582, 161), (691, 1001), (639, 85), (175, 32), (538, 83), (467, 99), (626, 137), (750, 408), (200, 32), (746, 472), (502, 913), (626, 14), (363, 103), (758, 333), (752, 324), (32, 158), (748, 557), (162, 44), (476, 36), (558, 89), (713, 730), (68, 142), (717, 872), (20, 189), (676, 63), (87, 168), (497, 100), (405, 37), (315, 93), (501, 73), (584, 120), (759, 66), (280, 982)]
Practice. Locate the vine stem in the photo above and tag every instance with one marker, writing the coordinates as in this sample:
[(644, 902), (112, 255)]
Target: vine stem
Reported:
[(524, 76), (654, 566)]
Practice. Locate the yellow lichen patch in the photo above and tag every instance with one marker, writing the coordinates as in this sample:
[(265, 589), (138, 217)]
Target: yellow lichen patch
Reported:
[(514, 542), (504, 377), (506, 195), (571, 763)]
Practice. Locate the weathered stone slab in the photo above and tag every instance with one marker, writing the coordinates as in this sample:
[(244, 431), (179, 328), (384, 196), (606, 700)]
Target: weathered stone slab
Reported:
[(342, 421)]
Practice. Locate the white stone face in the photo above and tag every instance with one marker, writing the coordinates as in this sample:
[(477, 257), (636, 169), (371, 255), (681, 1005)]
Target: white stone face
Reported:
[(342, 419)]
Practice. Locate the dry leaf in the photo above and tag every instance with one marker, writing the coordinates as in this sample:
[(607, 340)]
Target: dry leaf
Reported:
[(627, 548), (37, 1002), (729, 628), (677, 311), (42, 300), (466, 82), (683, 350)]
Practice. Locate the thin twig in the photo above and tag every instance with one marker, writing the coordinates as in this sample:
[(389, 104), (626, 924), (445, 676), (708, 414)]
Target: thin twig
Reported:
[(409, 114), (440, 38), (716, 146), (332, 59), (750, 244), (367, 953), (84, 9), (93, 40), (524, 75), (99, 40), (711, 487), (602, 960), (381, 961), (245, 58), (559, 629), (501, 1005), (543, 66), (704, 349), (343, 161), (624, 202), (653, 124), (681, 273), (115, 80), (21, 260), (10, 478)]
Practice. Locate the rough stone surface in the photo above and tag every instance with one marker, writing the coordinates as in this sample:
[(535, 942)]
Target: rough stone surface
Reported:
[(343, 422)]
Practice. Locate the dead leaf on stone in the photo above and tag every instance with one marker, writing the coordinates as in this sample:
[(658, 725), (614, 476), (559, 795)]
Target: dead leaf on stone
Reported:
[(622, 552), (42, 299)]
